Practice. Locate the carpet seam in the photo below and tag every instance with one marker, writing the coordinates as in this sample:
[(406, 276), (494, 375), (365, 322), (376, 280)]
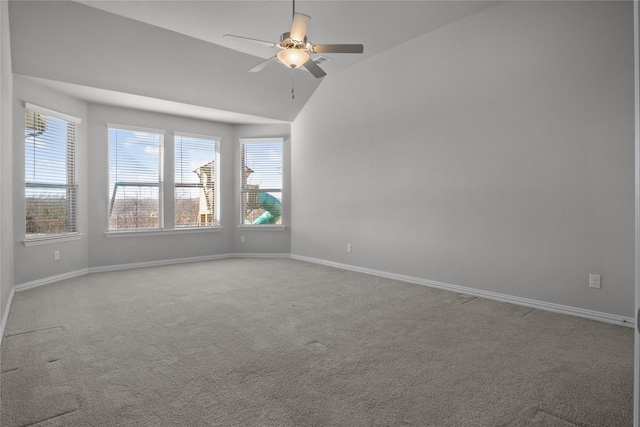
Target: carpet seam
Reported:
[(50, 418), (33, 331)]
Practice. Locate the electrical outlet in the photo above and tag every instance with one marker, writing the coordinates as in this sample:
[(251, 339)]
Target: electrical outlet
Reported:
[(349, 247), (242, 240), (594, 281), (56, 255)]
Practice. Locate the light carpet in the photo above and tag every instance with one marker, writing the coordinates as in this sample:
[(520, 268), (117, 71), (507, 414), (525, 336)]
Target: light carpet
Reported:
[(278, 342)]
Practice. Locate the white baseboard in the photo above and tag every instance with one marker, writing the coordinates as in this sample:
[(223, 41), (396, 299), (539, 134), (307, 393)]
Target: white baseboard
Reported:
[(541, 305), (5, 314), (116, 267), (34, 284), (48, 280), (259, 255), (101, 269)]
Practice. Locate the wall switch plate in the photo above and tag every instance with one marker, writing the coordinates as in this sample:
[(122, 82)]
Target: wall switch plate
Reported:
[(594, 281), (349, 247), (242, 240), (56, 255)]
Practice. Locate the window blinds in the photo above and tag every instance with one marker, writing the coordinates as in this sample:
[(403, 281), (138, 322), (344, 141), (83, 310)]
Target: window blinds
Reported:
[(261, 181), (135, 178), (196, 186), (50, 173)]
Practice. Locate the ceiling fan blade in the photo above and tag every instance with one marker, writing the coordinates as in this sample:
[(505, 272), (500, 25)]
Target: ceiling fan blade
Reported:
[(337, 48), (299, 26), (247, 39), (314, 69), (264, 64)]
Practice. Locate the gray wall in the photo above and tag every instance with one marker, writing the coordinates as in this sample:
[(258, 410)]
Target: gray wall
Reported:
[(107, 251), (95, 249), (495, 153), (6, 152), (636, 400)]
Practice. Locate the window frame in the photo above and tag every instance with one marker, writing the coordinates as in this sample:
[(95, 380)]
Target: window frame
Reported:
[(240, 191), (216, 223), (161, 166), (71, 173)]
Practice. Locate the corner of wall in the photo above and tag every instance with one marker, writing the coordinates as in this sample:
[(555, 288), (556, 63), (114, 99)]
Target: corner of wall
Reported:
[(6, 170)]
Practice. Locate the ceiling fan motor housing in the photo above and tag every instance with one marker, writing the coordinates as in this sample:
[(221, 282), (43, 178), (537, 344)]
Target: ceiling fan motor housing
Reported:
[(286, 42)]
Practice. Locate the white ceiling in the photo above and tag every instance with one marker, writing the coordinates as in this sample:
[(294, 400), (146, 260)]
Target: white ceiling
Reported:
[(378, 25)]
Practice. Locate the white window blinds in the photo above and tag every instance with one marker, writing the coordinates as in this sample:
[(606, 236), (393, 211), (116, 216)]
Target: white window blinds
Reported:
[(261, 170), (196, 172), (50, 172), (135, 178)]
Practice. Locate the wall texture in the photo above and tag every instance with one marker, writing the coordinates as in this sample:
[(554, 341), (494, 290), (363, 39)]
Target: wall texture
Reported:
[(495, 153), (636, 400), (6, 153)]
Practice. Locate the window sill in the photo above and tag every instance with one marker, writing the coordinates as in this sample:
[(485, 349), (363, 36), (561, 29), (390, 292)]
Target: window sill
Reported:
[(263, 227), (45, 240), (141, 233)]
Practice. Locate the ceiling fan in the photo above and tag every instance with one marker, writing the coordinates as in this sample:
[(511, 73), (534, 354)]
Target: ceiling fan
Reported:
[(295, 49)]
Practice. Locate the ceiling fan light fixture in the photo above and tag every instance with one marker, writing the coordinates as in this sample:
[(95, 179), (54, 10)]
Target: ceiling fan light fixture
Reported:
[(293, 58), (295, 48)]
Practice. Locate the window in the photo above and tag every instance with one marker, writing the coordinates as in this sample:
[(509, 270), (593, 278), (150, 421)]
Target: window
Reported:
[(135, 178), (50, 173), (261, 170), (196, 170)]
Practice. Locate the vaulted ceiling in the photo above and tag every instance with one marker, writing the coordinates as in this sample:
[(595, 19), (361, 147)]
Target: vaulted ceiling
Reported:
[(170, 56)]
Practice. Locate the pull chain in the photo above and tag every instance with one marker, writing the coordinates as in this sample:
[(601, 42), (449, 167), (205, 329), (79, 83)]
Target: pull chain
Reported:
[(293, 17)]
